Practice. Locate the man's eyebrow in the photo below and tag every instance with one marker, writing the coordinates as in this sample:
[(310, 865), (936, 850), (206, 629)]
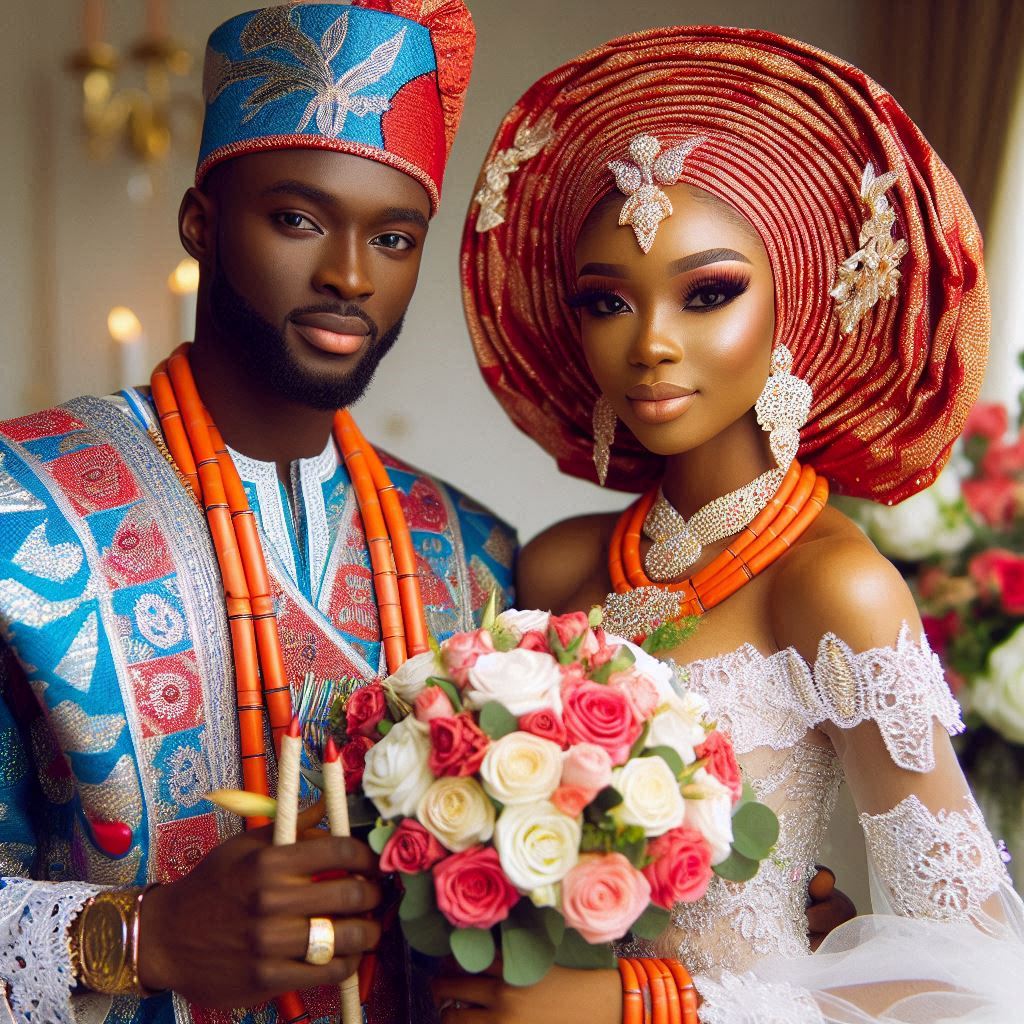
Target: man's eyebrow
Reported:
[(406, 213), (702, 259), (300, 188)]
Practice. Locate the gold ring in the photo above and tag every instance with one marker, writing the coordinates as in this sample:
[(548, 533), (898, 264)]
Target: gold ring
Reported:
[(320, 947)]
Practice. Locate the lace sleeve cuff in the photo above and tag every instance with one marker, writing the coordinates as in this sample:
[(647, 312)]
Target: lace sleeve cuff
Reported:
[(900, 688), (35, 962), (745, 999)]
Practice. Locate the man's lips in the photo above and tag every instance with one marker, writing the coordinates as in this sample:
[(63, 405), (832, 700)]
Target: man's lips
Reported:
[(660, 402), (331, 333)]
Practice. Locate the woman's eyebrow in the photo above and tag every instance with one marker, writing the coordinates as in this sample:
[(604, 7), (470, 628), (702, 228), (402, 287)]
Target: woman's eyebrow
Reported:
[(702, 259)]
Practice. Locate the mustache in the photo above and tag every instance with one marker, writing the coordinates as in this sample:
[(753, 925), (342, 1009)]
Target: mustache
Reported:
[(340, 309)]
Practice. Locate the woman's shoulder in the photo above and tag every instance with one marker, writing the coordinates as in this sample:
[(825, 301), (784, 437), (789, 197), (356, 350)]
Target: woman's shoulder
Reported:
[(565, 562), (836, 582)]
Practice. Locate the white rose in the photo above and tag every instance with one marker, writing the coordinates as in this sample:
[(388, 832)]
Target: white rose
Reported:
[(711, 814), (547, 896), (522, 681), (397, 772), (521, 768), (457, 812), (521, 622), (537, 844), (677, 723), (650, 795), (657, 671), (998, 695), (411, 679)]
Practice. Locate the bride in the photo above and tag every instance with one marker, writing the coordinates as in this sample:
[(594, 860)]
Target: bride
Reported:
[(724, 269)]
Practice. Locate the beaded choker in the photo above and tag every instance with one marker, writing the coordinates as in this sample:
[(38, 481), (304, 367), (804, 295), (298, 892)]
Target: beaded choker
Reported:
[(638, 605)]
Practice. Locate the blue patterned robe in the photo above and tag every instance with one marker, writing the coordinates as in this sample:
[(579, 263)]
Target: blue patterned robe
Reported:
[(115, 661)]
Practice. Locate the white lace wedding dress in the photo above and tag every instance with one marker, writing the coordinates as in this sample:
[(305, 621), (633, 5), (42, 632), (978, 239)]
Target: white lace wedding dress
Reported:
[(945, 940)]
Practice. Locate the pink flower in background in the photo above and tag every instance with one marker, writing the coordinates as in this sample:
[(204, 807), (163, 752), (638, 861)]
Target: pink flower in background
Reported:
[(993, 499), (571, 800), (987, 419), (365, 709), (457, 745), (587, 766), (681, 867), (411, 849), (940, 630), (1003, 459), (433, 703), (603, 895), (721, 758), (546, 724), (641, 693), (593, 713), (535, 640), (472, 890), (568, 627), (461, 651), (1000, 573)]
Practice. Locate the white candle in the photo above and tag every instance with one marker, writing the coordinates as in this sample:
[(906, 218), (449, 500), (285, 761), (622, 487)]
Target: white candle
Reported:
[(288, 764), (132, 346)]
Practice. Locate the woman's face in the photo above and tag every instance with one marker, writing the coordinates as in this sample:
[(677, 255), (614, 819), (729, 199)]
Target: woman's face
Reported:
[(678, 339)]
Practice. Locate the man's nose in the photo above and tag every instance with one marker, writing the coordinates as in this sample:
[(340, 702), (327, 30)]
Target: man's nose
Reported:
[(343, 271)]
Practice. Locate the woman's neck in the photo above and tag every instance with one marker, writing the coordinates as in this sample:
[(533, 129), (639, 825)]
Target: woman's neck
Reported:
[(728, 461)]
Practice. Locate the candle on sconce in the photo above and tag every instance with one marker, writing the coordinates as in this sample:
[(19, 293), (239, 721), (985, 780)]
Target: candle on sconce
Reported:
[(184, 283), (92, 23), (126, 330)]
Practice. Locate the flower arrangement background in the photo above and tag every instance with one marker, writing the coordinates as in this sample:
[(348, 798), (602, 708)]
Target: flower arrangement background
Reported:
[(960, 546), (543, 790)]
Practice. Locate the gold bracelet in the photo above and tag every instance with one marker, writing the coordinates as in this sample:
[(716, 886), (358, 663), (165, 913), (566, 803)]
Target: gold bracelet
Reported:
[(104, 942)]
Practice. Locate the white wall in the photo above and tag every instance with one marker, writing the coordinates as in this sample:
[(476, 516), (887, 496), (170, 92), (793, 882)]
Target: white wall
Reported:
[(74, 244)]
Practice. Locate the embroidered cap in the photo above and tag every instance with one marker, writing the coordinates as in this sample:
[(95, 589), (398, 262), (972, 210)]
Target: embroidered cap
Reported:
[(381, 79), (880, 290)]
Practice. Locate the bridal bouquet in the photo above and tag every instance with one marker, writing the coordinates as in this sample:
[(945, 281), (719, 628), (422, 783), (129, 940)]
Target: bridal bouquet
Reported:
[(543, 790)]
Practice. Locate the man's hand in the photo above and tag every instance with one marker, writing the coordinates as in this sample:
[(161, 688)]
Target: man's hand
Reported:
[(827, 908), (233, 932)]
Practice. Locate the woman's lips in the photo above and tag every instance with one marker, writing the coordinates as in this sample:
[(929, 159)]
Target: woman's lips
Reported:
[(659, 403), (328, 332)]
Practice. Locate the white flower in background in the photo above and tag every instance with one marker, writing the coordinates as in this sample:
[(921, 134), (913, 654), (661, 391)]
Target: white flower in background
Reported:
[(411, 679), (711, 814), (678, 723), (456, 811), (537, 844), (650, 796), (522, 681), (935, 521), (520, 622), (998, 695), (521, 768), (397, 773)]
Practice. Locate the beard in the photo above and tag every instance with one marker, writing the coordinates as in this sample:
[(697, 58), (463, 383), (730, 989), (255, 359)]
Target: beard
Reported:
[(261, 350)]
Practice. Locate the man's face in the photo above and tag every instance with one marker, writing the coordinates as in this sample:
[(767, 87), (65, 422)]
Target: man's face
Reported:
[(316, 257)]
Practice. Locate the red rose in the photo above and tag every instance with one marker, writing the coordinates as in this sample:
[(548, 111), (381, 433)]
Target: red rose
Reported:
[(1000, 572), (546, 724), (411, 849), (472, 890), (461, 651), (993, 499), (457, 745), (353, 761), (1003, 459), (601, 715), (940, 630), (569, 627), (681, 867), (365, 709), (721, 758), (534, 640), (987, 419)]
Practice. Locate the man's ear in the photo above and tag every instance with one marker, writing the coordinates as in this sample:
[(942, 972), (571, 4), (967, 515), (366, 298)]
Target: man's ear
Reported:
[(196, 220)]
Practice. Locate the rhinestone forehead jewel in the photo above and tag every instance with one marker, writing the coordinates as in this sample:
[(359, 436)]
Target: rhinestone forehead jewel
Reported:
[(639, 177)]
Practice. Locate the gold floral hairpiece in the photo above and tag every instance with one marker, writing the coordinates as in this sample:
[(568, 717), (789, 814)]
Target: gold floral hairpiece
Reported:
[(871, 273), (647, 206)]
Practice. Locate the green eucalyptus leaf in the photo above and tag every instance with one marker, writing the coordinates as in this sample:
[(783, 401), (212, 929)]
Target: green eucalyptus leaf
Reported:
[(429, 934), (384, 726), (380, 835), (608, 798), (497, 721), (473, 948), (554, 924), (526, 953), (651, 923), (755, 831), (737, 868), (450, 689), (641, 741), (418, 899), (575, 951), (490, 612)]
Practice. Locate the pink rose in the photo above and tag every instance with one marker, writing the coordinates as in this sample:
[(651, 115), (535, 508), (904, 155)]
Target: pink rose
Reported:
[(546, 724), (587, 766), (993, 499), (721, 758), (603, 895), (433, 703), (569, 627), (605, 651), (411, 849), (571, 800), (365, 709), (680, 870), (353, 761), (461, 651), (598, 714), (1000, 572), (472, 890), (534, 640), (940, 630), (457, 745), (641, 693), (986, 419)]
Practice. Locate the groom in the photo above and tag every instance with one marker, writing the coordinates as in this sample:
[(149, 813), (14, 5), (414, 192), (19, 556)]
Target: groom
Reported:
[(326, 134)]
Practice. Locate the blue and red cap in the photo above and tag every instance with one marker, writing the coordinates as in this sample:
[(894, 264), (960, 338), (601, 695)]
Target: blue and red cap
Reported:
[(381, 79)]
